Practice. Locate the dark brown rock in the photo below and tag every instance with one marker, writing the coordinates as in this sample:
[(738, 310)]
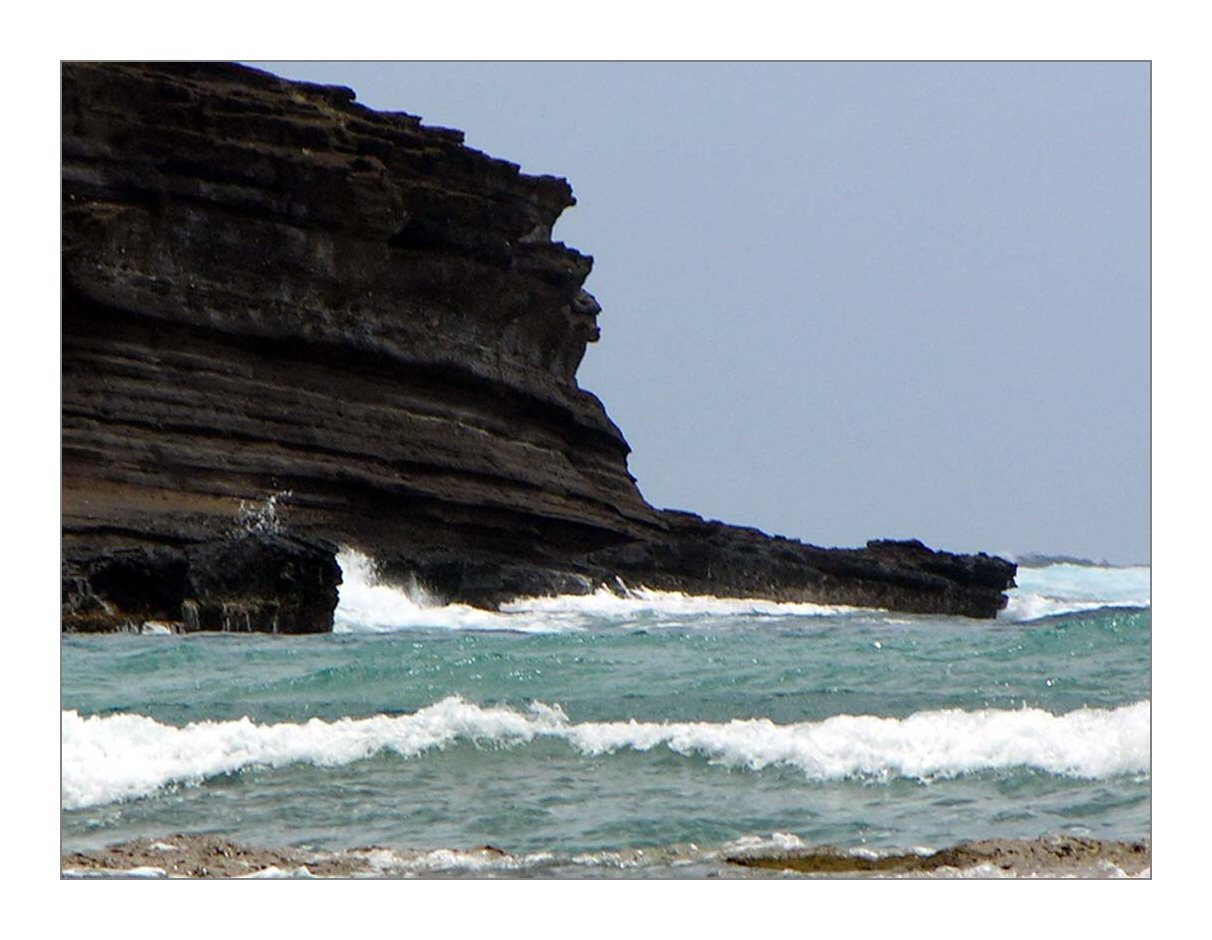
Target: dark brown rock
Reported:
[(713, 558), (1048, 856), (268, 288), (250, 581)]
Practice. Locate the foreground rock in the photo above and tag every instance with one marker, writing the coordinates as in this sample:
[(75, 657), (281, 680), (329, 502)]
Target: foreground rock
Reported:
[(183, 856), (248, 582), (271, 293), (1050, 856), (192, 856)]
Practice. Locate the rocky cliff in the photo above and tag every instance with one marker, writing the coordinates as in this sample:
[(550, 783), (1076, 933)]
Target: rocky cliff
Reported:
[(291, 322)]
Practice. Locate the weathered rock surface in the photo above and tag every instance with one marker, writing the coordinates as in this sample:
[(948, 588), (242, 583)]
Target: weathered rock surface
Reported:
[(1047, 856), (244, 583), (270, 289), (204, 856)]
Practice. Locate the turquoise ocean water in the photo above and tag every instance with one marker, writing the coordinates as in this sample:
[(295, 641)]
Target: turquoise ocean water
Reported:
[(605, 735)]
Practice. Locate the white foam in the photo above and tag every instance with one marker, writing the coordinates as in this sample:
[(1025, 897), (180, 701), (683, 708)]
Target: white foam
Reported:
[(113, 757), (142, 871), (984, 870), (367, 605), (470, 860), (116, 757), (1066, 588), (274, 872), (758, 845), (631, 603)]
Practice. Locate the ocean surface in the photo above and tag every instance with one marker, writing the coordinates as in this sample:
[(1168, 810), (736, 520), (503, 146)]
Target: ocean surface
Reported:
[(650, 734)]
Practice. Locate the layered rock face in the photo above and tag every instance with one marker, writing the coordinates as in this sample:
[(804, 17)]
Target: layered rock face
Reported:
[(274, 297)]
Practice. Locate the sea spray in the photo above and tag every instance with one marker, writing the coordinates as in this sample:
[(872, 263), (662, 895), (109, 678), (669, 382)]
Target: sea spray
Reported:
[(369, 605), (1068, 588)]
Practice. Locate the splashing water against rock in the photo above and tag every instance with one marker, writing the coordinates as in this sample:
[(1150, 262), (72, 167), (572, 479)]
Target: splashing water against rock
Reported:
[(264, 518)]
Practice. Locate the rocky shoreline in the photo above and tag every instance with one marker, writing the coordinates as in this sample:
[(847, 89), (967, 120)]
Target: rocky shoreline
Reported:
[(192, 856), (1055, 856), (274, 297)]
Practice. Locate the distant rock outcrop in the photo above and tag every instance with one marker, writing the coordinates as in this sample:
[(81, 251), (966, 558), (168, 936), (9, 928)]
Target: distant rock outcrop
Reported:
[(270, 289)]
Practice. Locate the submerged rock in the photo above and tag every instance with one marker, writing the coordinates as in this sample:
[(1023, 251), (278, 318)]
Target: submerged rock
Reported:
[(270, 289)]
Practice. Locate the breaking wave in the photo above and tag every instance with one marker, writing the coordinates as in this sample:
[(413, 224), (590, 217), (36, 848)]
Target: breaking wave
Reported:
[(1066, 588), (368, 606), (124, 756)]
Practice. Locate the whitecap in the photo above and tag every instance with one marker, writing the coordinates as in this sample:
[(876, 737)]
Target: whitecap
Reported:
[(116, 757), (1068, 588), (369, 605)]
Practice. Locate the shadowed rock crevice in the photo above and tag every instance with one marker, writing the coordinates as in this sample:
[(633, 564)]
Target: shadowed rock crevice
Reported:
[(269, 288)]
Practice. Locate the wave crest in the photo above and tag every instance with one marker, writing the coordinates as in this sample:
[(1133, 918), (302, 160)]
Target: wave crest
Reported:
[(117, 757), (1066, 588)]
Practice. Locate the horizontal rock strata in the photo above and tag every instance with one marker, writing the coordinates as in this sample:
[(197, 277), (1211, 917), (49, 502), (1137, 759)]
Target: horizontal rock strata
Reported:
[(275, 297)]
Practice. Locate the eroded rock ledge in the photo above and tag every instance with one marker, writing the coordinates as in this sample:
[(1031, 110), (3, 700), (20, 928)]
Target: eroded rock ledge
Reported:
[(270, 289)]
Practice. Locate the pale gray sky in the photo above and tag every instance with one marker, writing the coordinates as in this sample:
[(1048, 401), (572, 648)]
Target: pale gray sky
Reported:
[(850, 300)]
